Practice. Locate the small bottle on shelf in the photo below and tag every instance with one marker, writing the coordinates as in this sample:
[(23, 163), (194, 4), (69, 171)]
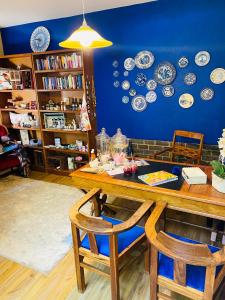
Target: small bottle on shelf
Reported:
[(93, 156)]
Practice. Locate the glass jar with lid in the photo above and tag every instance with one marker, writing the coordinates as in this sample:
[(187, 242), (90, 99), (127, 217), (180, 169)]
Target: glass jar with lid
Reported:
[(103, 146), (119, 144)]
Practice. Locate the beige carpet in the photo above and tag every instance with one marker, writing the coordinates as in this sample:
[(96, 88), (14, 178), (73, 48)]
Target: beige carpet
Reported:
[(34, 223)]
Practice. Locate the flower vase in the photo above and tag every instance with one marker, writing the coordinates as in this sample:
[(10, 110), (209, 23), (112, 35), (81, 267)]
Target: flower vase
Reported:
[(218, 183)]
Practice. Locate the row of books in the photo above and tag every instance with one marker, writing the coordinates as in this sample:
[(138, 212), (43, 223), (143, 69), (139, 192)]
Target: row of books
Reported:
[(61, 83), (52, 62)]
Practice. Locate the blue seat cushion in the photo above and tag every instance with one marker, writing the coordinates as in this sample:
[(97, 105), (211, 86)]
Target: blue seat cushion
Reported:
[(124, 239), (195, 275)]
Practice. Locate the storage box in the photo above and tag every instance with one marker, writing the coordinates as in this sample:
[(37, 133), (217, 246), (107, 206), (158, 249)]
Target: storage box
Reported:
[(194, 175)]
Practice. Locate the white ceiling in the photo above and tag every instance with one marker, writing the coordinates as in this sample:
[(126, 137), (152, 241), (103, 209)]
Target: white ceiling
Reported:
[(27, 11)]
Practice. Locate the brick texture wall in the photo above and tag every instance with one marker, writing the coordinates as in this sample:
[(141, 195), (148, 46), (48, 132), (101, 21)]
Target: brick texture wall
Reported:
[(147, 148)]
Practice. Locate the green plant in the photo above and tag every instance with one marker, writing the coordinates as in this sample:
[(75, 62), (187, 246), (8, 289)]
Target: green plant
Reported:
[(218, 168)]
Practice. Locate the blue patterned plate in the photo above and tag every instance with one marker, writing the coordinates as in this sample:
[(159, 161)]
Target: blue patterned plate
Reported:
[(125, 73), (165, 73), (144, 59), (116, 84), (116, 73), (207, 94), (129, 64), (125, 85), (183, 62), (202, 58), (190, 79), (141, 79), (115, 64), (139, 103), (151, 85), (132, 92), (168, 91), (125, 99), (151, 97)]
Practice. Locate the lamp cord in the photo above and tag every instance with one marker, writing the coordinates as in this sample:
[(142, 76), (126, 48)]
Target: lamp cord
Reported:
[(83, 10)]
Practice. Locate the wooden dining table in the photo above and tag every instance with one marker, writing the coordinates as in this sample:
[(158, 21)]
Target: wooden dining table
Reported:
[(197, 199)]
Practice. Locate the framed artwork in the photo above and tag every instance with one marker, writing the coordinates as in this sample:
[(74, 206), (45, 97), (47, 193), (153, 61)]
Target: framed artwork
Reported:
[(24, 136), (54, 120)]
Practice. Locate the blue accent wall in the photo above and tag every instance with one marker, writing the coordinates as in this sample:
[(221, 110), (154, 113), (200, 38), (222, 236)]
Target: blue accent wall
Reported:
[(170, 29)]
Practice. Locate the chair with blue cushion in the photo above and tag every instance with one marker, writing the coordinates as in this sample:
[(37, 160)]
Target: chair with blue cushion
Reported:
[(182, 265), (106, 241)]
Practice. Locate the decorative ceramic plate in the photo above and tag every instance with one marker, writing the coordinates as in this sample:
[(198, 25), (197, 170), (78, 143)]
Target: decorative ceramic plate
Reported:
[(115, 64), (132, 92), (207, 94), (125, 99), (125, 85), (129, 64), (186, 100), (141, 79), (151, 85), (116, 84), (190, 78), (165, 73), (139, 103), (168, 90), (144, 59), (183, 62), (202, 58), (125, 73), (116, 73), (218, 76), (151, 97)]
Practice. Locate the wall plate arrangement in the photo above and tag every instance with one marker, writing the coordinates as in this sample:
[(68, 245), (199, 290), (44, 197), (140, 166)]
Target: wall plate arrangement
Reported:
[(116, 84), (190, 79), (129, 64), (165, 73), (116, 74), (139, 103), (40, 39), (132, 92), (202, 58), (183, 62), (115, 64), (168, 91), (144, 59), (151, 85), (125, 73), (207, 94), (151, 96), (125, 99), (141, 79), (125, 85), (218, 76), (186, 100)]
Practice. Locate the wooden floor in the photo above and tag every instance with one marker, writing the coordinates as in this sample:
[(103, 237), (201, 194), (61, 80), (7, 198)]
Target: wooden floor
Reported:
[(20, 283)]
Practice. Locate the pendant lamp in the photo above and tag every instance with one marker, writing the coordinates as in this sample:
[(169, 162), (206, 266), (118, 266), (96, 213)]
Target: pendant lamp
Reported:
[(85, 37)]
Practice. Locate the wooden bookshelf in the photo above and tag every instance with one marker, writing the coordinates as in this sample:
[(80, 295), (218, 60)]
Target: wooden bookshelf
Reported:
[(37, 63)]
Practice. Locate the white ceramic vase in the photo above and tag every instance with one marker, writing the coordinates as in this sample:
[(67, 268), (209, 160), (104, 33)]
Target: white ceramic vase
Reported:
[(218, 183)]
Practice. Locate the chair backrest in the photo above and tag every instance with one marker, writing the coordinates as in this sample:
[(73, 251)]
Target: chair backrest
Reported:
[(3, 130), (191, 152)]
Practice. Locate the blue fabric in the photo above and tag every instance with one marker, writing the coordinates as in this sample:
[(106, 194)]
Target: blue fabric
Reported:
[(195, 274), (124, 238)]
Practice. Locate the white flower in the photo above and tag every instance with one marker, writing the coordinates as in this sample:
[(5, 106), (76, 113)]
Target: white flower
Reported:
[(221, 143)]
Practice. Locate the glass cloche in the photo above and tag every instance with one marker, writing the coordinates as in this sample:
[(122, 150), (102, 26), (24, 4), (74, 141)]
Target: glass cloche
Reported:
[(103, 146), (119, 144)]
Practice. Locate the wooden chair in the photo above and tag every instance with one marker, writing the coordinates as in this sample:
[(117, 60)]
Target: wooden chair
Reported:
[(191, 154), (107, 241), (181, 265)]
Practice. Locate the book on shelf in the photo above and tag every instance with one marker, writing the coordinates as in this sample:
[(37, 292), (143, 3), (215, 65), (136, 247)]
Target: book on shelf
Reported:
[(157, 178), (62, 83), (54, 62)]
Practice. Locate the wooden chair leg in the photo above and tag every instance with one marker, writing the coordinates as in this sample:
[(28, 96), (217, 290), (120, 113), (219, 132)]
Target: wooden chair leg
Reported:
[(154, 273), (147, 257), (209, 282), (78, 259), (114, 269)]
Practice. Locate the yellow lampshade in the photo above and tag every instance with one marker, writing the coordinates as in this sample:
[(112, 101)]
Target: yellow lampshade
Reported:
[(85, 37)]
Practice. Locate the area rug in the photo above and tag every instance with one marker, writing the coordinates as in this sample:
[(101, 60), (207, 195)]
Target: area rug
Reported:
[(34, 223)]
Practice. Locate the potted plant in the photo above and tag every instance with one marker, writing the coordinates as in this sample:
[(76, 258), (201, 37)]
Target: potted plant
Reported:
[(218, 173)]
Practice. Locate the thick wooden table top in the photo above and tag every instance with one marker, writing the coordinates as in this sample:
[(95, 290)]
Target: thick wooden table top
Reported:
[(198, 199)]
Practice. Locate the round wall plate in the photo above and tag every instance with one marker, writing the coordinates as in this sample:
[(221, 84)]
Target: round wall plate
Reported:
[(207, 94), (183, 62), (125, 99), (168, 91), (186, 100), (139, 103), (202, 58), (190, 79), (218, 76), (115, 64), (116, 84), (116, 74), (141, 79), (132, 92), (151, 96), (125, 73), (40, 39), (125, 85), (151, 85), (144, 59), (129, 64), (165, 73)]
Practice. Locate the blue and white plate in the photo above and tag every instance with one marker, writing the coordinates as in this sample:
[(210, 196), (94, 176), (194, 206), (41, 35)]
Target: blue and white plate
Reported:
[(125, 85), (115, 64), (151, 85), (132, 92), (151, 96), (183, 62), (207, 94), (165, 73), (139, 103), (186, 100), (116, 84), (116, 74), (168, 91), (202, 58), (125, 73), (129, 64), (125, 99), (141, 79), (190, 79), (144, 59)]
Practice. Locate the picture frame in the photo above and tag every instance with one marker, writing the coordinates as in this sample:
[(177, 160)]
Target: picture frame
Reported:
[(54, 120), (57, 141), (24, 136)]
